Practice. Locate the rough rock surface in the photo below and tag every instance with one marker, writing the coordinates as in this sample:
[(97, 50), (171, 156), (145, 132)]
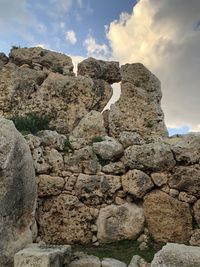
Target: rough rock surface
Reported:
[(64, 99), (50, 185), (97, 189), (168, 219), (17, 192), (3, 60), (99, 69), (42, 256), (130, 138), (109, 148), (187, 150), (177, 255), (197, 212), (186, 178), (45, 58), (154, 157), (195, 238), (90, 127), (138, 108), (108, 262), (136, 183), (64, 220), (84, 260), (120, 222)]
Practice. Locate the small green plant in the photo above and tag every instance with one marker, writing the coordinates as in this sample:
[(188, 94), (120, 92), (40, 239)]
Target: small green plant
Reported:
[(58, 69), (97, 139), (67, 145), (102, 161), (31, 123)]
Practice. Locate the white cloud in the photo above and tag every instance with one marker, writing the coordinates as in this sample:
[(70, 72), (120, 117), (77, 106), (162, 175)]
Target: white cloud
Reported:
[(94, 49), (71, 36), (161, 34)]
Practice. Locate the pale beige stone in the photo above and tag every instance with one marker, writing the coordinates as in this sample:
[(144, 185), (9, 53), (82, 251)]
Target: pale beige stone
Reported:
[(50, 185)]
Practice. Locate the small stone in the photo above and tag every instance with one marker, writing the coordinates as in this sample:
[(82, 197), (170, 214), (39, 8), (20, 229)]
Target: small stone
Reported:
[(121, 193), (173, 192), (84, 260), (108, 262), (143, 246), (183, 196), (94, 228), (195, 238), (159, 178), (119, 201), (130, 138), (165, 188), (129, 199), (94, 238)]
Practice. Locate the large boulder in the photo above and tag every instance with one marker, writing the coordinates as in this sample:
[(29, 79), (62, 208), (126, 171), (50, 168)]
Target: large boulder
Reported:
[(187, 149), (177, 255), (99, 69), (47, 59), (186, 178), (120, 222), (64, 219), (168, 219), (138, 108), (154, 157), (64, 100), (17, 192)]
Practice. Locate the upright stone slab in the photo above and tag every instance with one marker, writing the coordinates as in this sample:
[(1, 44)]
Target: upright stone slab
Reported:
[(138, 108), (17, 192)]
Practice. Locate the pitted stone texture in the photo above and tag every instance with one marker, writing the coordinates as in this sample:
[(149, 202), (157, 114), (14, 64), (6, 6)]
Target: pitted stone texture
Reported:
[(187, 150), (136, 183), (108, 262), (83, 160), (91, 126), (84, 260), (45, 58), (97, 189), (42, 256), (177, 255), (168, 219), (130, 138), (3, 60), (153, 157), (138, 108), (195, 238), (65, 99), (186, 178), (17, 192), (160, 178), (99, 69), (114, 168), (120, 222), (50, 185), (64, 220), (33, 141), (196, 208), (52, 139), (109, 148)]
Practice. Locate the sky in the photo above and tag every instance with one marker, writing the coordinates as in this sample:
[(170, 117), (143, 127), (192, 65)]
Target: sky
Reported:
[(163, 35)]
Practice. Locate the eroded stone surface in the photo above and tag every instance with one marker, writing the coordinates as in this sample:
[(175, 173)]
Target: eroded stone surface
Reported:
[(168, 219)]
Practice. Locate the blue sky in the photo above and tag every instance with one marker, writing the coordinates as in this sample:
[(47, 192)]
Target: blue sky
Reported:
[(163, 35)]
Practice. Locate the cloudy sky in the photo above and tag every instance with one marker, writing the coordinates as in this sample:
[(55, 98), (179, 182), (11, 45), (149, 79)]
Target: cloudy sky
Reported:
[(163, 35)]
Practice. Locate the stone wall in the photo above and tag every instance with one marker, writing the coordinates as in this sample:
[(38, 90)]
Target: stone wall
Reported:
[(112, 189)]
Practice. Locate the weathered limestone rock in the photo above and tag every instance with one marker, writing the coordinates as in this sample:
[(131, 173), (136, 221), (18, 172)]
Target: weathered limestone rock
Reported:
[(196, 208), (99, 69), (50, 185), (138, 108), (55, 160), (83, 160), (108, 262), (153, 157), (84, 260), (114, 168), (109, 148), (33, 141), (97, 189), (135, 261), (120, 222), (130, 138), (177, 255), (183, 196), (40, 164), (64, 219), (195, 238), (90, 127), (47, 59), (64, 99), (136, 183), (168, 219), (186, 178), (42, 256), (3, 60), (187, 150), (160, 178), (52, 139), (17, 192)]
